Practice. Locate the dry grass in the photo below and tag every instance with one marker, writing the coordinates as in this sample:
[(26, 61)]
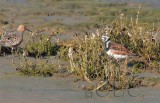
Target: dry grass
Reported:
[(34, 67), (88, 61)]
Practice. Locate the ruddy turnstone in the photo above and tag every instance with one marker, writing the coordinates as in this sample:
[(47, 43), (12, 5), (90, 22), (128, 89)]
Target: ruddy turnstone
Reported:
[(116, 51), (13, 39)]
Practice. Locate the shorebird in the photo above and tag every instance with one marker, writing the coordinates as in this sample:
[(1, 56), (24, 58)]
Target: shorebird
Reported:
[(13, 39), (116, 51)]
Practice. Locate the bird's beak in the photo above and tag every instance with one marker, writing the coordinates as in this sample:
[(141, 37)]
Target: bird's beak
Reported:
[(28, 30)]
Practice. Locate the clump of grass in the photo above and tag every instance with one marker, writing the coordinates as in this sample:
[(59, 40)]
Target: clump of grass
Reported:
[(86, 61), (134, 35), (37, 67), (41, 45), (155, 65), (64, 49), (89, 61), (63, 52)]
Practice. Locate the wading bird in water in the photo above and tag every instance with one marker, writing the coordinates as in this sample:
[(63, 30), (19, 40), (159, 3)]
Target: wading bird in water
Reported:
[(13, 39)]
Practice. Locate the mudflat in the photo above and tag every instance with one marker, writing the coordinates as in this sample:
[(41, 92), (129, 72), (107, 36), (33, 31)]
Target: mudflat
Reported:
[(56, 89)]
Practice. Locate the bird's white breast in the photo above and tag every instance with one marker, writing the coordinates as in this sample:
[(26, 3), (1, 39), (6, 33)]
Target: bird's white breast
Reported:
[(110, 52)]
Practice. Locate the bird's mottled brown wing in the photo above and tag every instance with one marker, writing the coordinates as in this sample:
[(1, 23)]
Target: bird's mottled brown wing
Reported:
[(12, 39), (118, 47), (2, 42), (119, 52)]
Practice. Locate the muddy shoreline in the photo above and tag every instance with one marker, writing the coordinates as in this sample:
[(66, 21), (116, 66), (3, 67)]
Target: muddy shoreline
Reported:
[(56, 89)]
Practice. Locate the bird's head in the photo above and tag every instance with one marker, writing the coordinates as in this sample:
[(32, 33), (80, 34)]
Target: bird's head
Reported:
[(105, 38), (22, 28)]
